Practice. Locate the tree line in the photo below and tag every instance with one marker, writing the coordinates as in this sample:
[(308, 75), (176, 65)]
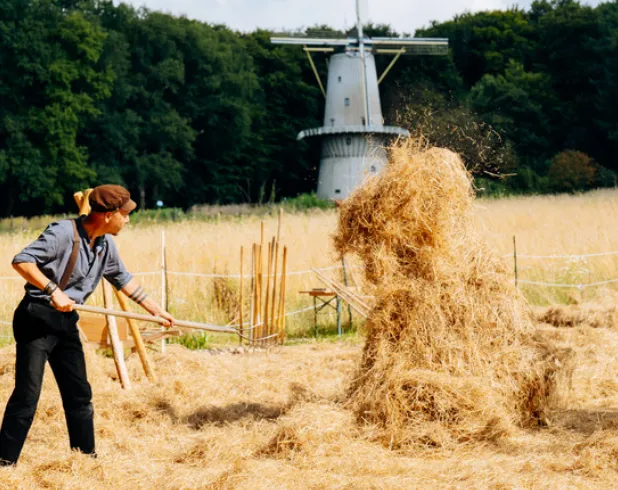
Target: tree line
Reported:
[(187, 112)]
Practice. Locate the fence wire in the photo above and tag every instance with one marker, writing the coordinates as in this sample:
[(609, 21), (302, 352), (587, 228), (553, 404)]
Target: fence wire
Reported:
[(572, 257), (248, 276)]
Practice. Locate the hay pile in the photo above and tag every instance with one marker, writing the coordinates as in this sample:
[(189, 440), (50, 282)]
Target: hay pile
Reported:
[(600, 314), (587, 315), (451, 353)]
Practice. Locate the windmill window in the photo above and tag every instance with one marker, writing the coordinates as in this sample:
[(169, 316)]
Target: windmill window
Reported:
[(347, 101), (332, 121), (373, 169), (339, 79), (337, 191), (363, 121), (348, 141)]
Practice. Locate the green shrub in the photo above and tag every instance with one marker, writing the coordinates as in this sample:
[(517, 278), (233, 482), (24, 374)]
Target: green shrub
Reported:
[(491, 187), (605, 177), (571, 171), (307, 201), (158, 215), (194, 341)]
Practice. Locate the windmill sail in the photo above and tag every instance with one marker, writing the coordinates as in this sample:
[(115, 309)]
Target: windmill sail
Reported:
[(410, 45), (362, 12)]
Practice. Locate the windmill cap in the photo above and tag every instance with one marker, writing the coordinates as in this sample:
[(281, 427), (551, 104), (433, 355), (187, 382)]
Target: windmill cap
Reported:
[(109, 198)]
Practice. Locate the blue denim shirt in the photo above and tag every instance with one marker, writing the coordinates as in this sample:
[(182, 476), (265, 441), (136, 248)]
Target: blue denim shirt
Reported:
[(52, 251)]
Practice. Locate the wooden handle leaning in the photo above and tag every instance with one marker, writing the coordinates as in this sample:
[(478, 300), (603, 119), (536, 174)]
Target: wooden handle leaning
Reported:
[(81, 199), (155, 319), (117, 347), (137, 338)]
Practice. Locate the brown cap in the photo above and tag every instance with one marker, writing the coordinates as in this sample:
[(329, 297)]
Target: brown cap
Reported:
[(109, 198)]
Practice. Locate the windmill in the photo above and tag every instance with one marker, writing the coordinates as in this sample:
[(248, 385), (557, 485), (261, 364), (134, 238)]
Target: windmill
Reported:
[(353, 134)]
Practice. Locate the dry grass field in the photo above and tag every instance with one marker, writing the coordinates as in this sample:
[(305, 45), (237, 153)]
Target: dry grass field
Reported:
[(279, 418), (543, 225)]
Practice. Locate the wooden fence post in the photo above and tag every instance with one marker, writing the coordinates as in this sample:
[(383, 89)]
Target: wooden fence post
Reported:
[(515, 258), (240, 291), (163, 283), (281, 330)]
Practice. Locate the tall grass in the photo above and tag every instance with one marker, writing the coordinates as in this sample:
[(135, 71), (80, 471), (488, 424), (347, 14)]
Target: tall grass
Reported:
[(543, 225), (556, 225)]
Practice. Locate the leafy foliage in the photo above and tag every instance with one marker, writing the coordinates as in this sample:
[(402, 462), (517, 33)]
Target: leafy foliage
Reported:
[(571, 171), (186, 112)]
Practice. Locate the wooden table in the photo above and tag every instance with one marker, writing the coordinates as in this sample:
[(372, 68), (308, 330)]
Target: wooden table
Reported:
[(323, 298)]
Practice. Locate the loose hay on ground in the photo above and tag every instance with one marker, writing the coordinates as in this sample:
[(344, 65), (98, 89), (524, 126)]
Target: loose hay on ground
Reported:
[(603, 313), (164, 450)]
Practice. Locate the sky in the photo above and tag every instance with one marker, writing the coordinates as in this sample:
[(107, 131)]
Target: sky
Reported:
[(405, 16)]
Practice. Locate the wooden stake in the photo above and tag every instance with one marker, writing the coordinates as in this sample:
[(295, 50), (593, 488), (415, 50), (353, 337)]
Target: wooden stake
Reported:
[(282, 304), (267, 298), (167, 280), (117, 348), (259, 295), (273, 278), (279, 224), (240, 305), (262, 234), (515, 258), (261, 281), (253, 289), (137, 338), (163, 282), (275, 314)]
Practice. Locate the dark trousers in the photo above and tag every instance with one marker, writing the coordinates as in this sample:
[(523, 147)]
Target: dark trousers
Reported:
[(46, 335)]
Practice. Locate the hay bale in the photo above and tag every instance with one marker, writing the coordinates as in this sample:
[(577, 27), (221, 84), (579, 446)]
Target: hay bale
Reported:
[(451, 344)]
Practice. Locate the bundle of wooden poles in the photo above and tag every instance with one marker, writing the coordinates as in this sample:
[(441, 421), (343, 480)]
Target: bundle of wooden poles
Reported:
[(268, 284), (354, 299)]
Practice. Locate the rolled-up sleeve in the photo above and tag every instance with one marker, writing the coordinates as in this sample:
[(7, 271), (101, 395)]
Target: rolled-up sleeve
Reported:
[(114, 270), (42, 250)]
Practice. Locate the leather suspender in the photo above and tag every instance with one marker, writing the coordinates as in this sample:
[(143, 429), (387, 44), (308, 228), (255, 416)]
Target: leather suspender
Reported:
[(73, 260)]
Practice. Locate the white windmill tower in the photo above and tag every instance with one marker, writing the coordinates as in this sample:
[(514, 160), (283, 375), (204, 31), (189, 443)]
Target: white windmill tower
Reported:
[(353, 134)]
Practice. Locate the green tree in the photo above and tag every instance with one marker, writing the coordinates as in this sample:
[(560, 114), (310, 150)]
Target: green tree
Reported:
[(142, 139), (485, 42), (518, 105), (288, 101), (567, 35), (50, 83), (217, 97), (606, 87)]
